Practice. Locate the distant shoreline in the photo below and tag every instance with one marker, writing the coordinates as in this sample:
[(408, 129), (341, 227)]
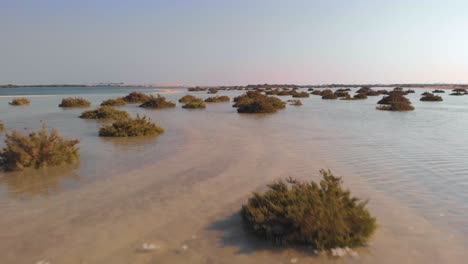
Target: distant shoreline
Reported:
[(407, 85)]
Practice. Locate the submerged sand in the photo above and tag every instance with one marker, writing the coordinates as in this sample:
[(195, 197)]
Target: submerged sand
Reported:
[(186, 205)]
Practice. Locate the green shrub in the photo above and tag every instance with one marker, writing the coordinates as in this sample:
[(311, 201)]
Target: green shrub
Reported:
[(105, 112), (2, 126), (341, 94), (255, 102), (136, 98), (187, 98), (37, 150), (114, 102), (158, 102), (438, 91), (316, 92), (74, 102), (322, 215), (20, 101), (217, 99), (300, 94), (212, 91), (140, 126), (195, 104), (431, 98), (329, 96), (197, 89), (284, 93), (359, 96), (394, 97), (295, 102)]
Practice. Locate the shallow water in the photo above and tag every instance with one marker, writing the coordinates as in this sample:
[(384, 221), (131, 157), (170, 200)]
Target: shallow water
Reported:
[(184, 187)]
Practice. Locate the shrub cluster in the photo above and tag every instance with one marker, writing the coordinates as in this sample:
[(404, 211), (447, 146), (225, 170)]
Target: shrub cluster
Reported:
[(2, 126), (136, 98), (105, 112), (37, 150), (295, 102), (217, 99), (158, 102), (322, 215), (359, 96), (328, 95), (197, 89), (187, 98), (114, 102), (438, 91), (431, 98), (139, 126), (255, 102), (459, 91), (20, 101), (195, 104), (212, 91), (74, 102), (395, 102), (299, 94)]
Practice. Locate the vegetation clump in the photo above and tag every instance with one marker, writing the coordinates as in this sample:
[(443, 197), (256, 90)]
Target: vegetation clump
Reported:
[(197, 89), (105, 112), (341, 93), (136, 98), (316, 92), (114, 102), (37, 150), (431, 98), (359, 96), (217, 99), (212, 91), (158, 102), (299, 94), (2, 126), (459, 91), (438, 91), (395, 102), (255, 102), (295, 102), (129, 127), (195, 104), (322, 215), (74, 102), (20, 101), (329, 96), (187, 98)]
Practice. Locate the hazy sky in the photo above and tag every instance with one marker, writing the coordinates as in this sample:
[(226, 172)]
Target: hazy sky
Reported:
[(233, 42)]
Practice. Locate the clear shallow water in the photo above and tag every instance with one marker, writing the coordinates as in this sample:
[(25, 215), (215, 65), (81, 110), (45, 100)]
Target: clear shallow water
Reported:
[(417, 158)]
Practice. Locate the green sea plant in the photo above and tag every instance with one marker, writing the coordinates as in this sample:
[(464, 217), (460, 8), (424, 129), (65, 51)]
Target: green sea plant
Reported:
[(217, 99), (37, 150), (158, 102), (114, 102), (256, 102), (74, 102), (136, 98), (105, 112), (131, 127), (322, 215)]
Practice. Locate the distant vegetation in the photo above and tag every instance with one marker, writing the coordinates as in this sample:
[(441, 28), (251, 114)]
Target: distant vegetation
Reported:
[(37, 150), (105, 112), (114, 102), (322, 215), (431, 97), (300, 94), (295, 102), (139, 126), (395, 101), (328, 94), (255, 102), (197, 89), (212, 91), (459, 91), (196, 103), (217, 99), (2, 126), (74, 102), (158, 102), (20, 101), (187, 98), (438, 91), (359, 96), (136, 98)]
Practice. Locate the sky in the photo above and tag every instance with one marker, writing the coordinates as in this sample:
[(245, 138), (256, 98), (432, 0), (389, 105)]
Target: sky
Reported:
[(238, 42)]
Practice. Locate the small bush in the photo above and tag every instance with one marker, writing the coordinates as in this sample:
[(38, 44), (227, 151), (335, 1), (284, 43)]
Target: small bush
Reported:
[(329, 96), (438, 91), (74, 102), (114, 102), (140, 126), (300, 94), (20, 101), (212, 91), (395, 102), (341, 94), (197, 89), (295, 102), (359, 96), (322, 215), (187, 98), (364, 90), (136, 98), (431, 98), (255, 102), (195, 104), (316, 92), (105, 112), (217, 99), (2, 126), (158, 102), (37, 150)]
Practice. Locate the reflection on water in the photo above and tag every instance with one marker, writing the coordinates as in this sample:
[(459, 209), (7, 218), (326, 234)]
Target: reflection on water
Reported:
[(46, 181)]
